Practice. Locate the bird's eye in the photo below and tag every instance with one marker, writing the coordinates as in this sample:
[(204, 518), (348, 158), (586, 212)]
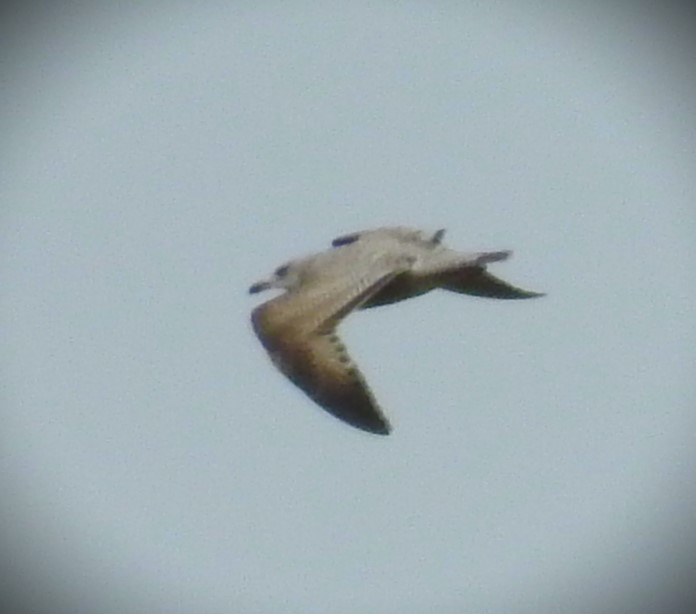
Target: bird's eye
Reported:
[(282, 271)]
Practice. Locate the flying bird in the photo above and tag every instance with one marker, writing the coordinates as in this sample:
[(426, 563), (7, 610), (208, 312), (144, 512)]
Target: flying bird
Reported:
[(361, 270)]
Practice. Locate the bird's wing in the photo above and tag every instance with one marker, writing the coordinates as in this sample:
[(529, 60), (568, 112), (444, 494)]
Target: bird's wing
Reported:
[(298, 331), (319, 364), (479, 282), (441, 261)]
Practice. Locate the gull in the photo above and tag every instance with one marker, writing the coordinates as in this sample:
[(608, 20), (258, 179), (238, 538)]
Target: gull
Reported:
[(361, 270)]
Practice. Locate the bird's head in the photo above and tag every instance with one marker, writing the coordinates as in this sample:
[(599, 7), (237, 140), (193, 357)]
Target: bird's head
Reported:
[(284, 277)]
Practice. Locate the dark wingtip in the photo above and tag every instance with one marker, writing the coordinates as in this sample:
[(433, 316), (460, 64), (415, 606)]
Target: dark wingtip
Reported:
[(490, 257), (374, 424), (383, 430), (516, 294), (438, 236), (531, 294), (345, 239)]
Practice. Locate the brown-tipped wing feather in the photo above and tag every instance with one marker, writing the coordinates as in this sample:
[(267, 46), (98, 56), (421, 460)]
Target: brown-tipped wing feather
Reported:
[(298, 331), (319, 364)]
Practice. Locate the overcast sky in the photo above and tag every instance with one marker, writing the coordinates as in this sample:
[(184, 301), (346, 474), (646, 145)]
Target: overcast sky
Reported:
[(157, 160)]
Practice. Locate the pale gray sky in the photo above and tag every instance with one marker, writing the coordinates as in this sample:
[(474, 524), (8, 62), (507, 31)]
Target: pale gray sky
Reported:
[(156, 161)]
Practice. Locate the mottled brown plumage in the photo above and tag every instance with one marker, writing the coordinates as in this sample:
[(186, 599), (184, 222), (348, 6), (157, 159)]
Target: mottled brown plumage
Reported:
[(367, 269)]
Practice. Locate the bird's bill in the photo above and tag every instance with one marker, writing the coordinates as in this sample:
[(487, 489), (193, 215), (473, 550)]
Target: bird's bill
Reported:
[(259, 286)]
